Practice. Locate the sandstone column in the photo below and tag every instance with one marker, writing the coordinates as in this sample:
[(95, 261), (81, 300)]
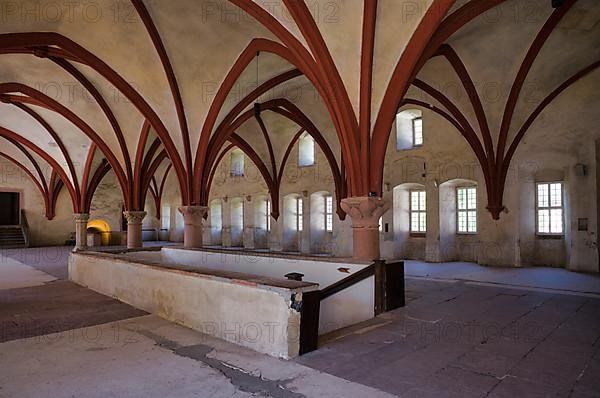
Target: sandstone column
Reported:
[(365, 213), (81, 220), (134, 228), (193, 218)]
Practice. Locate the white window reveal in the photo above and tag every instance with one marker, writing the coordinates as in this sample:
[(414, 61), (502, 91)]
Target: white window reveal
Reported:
[(237, 163), (306, 150), (409, 129)]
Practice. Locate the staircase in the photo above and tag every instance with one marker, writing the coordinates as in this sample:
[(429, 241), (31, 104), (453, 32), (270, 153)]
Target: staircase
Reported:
[(12, 237), (17, 236)]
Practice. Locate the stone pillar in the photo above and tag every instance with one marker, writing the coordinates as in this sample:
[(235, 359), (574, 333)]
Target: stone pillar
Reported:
[(365, 213), (81, 220), (433, 247), (134, 228), (193, 217)]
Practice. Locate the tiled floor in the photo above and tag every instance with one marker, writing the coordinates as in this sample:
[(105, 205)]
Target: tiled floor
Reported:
[(467, 331), (459, 340)]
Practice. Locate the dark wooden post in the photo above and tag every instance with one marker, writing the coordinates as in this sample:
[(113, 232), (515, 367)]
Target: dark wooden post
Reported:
[(389, 286), (309, 321)]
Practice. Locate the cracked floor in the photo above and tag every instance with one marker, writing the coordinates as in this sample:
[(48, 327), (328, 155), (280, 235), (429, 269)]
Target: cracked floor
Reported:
[(494, 333)]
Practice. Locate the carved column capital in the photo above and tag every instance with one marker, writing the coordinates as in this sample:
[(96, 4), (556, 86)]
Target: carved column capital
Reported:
[(134, 217), (365, 211), (81, 217), (193, 215)]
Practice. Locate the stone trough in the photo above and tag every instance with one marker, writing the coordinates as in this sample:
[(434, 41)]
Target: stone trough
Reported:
[(240, 297)]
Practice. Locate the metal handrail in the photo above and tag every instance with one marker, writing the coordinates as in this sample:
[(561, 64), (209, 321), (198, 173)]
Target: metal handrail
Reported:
[(347, 282), (25, 228)]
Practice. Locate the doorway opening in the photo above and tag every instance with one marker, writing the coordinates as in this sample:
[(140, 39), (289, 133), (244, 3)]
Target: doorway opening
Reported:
[(9, 208)]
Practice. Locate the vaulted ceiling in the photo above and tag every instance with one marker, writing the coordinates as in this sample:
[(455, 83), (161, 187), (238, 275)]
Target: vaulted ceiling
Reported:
[(144, 84)]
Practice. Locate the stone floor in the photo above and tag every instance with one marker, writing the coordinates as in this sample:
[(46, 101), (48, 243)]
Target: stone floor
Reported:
[(459, 340), (467, 331)]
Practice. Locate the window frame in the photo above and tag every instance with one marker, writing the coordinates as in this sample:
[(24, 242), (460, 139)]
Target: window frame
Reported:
[(268, 214), (550, 235), (165, 215), (467, 211), (414, 141), (299, 214), (411, 211), (327, 214)]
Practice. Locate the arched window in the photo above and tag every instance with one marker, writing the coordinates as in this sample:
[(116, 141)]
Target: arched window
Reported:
[(237, 163), (409, 129), (306, 150)]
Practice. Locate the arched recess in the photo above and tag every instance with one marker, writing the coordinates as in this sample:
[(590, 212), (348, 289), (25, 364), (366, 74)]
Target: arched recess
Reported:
[(406, 245), (457, 245), (236, 221), (99, 229), (293, 222), (58, 45), (321, 240), (262, 221), (216, 221)]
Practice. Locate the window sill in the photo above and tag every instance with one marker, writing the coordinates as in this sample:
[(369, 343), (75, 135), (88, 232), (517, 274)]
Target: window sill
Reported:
[(467, 233), (408, 149), (549, 237), (303, 166), (418, 234)]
